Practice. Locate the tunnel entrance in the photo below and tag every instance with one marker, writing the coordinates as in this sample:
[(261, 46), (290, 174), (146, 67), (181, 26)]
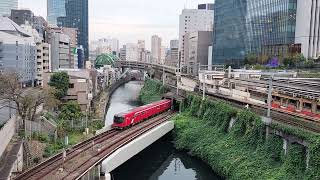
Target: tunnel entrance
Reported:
[(177, 101)]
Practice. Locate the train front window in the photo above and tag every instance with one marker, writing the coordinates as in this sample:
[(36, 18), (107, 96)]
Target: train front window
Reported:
[(118, 120)]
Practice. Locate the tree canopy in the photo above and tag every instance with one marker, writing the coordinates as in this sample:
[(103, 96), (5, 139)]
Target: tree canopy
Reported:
[(24, 101), (60, 81), (70, 111)]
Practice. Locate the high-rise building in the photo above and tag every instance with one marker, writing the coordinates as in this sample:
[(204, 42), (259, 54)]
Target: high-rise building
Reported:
[(123, 53), (199, 43), (22, 16), (132, 52), (17, 51), (173, 58), (43, 61), (192, 20), (81, 59), (156, 49), (208, 6), (105, 46), (6, 6), (163, 53), (55, 9), (142, 50), (77, 17), (73, 35), (272, 28), (60, 49), (148, 57)]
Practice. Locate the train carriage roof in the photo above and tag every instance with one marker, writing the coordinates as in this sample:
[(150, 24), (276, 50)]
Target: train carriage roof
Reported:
[(137, 109)]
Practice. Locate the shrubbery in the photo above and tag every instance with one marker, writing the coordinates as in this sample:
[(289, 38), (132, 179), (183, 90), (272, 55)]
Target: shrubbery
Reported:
[(151, 91), (244, 152)]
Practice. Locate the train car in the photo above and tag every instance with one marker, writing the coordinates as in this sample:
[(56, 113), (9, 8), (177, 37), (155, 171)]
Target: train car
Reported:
[(136, 115)]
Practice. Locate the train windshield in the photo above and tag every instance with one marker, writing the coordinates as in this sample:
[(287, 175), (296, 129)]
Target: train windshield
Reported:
[(118, 120)]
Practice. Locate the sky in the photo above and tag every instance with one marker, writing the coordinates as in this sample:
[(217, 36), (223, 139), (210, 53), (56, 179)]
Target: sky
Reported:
[(129, 20)]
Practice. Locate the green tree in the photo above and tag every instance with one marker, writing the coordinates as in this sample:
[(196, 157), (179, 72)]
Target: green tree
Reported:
[(299, 59), (288, 61), (251, 59), (26, 101), (70, 111), (60, 81)]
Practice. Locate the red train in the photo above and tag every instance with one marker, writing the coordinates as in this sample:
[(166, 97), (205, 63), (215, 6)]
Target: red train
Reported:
[(136, 115)]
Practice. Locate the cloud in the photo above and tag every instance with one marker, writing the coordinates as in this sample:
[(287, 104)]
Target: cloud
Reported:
[(129, 20)]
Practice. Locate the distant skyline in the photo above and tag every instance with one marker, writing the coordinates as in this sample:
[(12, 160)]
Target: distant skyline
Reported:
[(128, 20)]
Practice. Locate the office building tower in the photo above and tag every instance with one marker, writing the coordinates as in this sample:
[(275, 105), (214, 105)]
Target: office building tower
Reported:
[(123, 53), (156, 49), (192, 20), (77, 17), (132, 52), (265, 28), (199, 43), (55, 9), (173, 58), (6, 6)]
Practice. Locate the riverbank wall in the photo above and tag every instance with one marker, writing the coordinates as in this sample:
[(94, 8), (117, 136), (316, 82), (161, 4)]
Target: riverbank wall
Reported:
[(102, 101)]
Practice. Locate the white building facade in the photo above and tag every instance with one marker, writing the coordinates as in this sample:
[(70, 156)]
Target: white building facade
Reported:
[(105, 46), (307, 29), (192, 20), (156, 49), (132, 52), (17, 51)]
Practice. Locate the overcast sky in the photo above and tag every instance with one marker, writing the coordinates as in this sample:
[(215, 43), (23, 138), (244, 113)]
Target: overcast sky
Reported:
[(129, 20)]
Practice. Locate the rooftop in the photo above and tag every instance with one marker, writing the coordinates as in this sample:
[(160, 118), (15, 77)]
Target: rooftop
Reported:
[(7, 25)]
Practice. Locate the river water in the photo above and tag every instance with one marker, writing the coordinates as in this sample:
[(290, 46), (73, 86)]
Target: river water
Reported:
[(160, 161)]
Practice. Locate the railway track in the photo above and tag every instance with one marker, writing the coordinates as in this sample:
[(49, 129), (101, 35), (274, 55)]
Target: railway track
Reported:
[(86, 153), (278, 116)]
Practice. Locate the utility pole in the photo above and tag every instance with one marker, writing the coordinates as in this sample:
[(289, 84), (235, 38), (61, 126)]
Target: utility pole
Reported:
[(163, 75), (204, 86), (270, 96), (178, 74)]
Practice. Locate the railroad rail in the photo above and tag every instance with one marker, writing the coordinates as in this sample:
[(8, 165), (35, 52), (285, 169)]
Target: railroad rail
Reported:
[(308, 91), (278, 115), (80, 158)]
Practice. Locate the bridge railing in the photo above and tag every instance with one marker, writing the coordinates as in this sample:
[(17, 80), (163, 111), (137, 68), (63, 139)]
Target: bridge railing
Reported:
[(145, 65)]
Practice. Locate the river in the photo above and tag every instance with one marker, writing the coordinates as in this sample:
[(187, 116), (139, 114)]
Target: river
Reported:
[(160, 161)]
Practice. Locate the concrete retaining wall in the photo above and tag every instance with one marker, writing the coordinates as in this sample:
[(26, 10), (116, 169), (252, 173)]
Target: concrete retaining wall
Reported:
[(17, 166), (6, 133)]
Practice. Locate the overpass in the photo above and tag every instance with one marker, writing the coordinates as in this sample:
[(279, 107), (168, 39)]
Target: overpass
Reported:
[(83, 161), (146, 66)]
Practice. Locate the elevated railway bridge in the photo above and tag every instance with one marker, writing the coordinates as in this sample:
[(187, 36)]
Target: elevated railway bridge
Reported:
[(83, 161)]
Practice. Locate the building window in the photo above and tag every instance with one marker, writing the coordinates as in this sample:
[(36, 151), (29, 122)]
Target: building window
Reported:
[(71, 86)]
